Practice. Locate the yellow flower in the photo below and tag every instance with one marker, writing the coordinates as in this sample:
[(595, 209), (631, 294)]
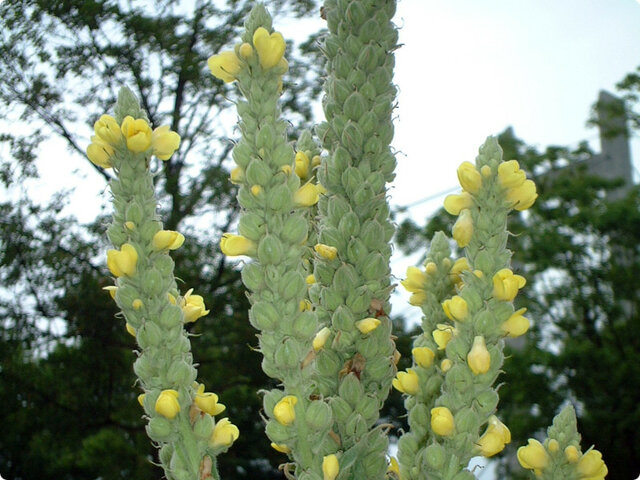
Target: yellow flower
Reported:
[(553, 445), (141, 399), (256, 190), (442, 421), (479, 359), (533, 456), (572, 454), (122, 262), (458, 267), (167, 240), (270, 48), (108, 130), (423, 356), (522, 197), (407, 382), (394, 467), (234, 245), (494, 438), (463, 228), (418, 298), (510, 175), (208, 402), (302, 165), (306, 196), (192, 307), (330, 467), (415, 280), (164, 142), (321, 338), (137, 304), (516, 325), (367, 325), (137, 133), (284, 411), (591, 466), (167, 404), (456, 308), (99, 152), (310, 279), (225, 66), (224, 433), (442, 335), (280, 447), (469, 177), (454, 204), (486, 171), (326, 251), (506, 285)]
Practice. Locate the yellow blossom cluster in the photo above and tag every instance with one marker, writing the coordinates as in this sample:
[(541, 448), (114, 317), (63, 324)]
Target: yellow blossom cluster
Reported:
[(137, 136), (536, 457)]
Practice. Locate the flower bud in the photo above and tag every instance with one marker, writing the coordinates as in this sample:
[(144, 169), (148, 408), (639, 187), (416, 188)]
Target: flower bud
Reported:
[(510, 175), (506, 285), (167, 240), (479, 359), (469, 177), (167, 404), (225, 66), (463, 228), (330, 467), (572, 454), (522, 197), (318, 415), (203, 426), (164, 142), (592, 466), (100, 152), (208, 402), (320, 338), (108, 130), (367, 325), (270, 47), (442, 421), (280, 447), (122, 262), (456, 308), (234, 245), (137, 133), (407, 382), (326, 251), (423, 356), (442, 335), (435, 456), (454, 204), (159, 429), (533, 456), (494, 438), (224, 434), (284, 411), (516, 325)]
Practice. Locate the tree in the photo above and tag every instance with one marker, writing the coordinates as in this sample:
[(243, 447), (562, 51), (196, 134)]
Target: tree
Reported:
[(68, 402), (579, 253)]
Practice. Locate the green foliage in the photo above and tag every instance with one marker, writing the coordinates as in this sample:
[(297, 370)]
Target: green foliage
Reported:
[(67, 399)]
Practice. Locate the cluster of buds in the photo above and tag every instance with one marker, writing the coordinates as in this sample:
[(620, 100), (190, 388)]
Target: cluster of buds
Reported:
[(180, 413), (134, 134), (560, 456)]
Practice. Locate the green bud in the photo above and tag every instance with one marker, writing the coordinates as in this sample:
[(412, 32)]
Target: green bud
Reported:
[(270, 250), (460, 377), (171, 315), (117, 235), (340, 161), (363, 195), (368, 59), (318, 415), (433, 385), (330, 298), (149, 335), (355, 105), (266, 136), (323, 273), (356, 14), (368, 408), (464, 475), (457, 349), (345, 340), (342, 66), (356, 77), (484, 261), (278, 433), (295, 230), (165, 453), (341, 409), (359, 299), (352, 138), (473, 299), (203, 426), (435, 456), (368, 123), (356, 251), (345, 278), (340, 89), (378, 368), (258, 172), (246, 198), (164, 264), (149, 229), (159, 429), (356, 426), (252, 276), (288, 354), (292, 285), (351, 389), (180, 373), (466, 420), (342, 318), (484, 321), (134, 213), (279, 198), (349, 225), (153, 282), (327, 363), (282, 155), (486, 402), (144, 367), (251, 226), (263, 315), (375, 267)]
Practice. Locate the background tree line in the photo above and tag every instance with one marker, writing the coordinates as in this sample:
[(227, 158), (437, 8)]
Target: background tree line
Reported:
[(67, 399)]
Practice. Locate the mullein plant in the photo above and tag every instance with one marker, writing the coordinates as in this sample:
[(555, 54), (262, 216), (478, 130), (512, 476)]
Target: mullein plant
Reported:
[(180, 413), (468, 308), (317, 232)]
